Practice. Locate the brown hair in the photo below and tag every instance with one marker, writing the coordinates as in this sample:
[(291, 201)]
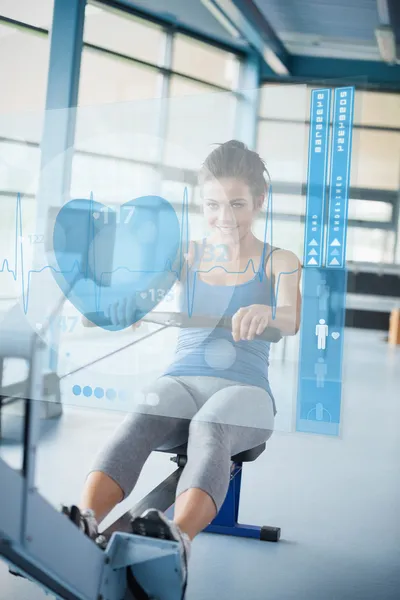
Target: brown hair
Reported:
[(234, 159)]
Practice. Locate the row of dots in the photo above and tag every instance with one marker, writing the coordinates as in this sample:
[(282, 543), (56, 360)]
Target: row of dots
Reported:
[(98, 392)]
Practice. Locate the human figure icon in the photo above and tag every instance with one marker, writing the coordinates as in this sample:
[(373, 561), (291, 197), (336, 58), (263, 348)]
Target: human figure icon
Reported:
[(320, 371), (321, 331)]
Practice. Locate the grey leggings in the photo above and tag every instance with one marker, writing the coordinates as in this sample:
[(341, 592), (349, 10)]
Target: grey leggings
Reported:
[(217, 417)]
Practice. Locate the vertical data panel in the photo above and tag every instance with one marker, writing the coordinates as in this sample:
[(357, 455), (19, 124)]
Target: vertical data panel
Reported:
[(324, 287), (317, 174), (340, 178)]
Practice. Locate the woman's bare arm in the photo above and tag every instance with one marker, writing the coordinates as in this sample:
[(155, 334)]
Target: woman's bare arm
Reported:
[(285, 268)]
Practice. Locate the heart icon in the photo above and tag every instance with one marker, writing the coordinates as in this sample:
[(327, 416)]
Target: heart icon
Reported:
[(335, 335), (96, 215), (102, 261), (143, 295)]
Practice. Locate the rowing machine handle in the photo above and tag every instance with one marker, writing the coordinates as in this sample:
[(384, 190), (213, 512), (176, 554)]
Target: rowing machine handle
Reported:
[(172, 319)]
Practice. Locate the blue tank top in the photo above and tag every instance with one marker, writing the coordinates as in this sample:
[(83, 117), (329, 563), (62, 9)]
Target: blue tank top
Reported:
[(213, 352)]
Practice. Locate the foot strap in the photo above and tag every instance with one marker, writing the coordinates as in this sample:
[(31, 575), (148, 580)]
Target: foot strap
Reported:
[(74, 515), (154, 528)]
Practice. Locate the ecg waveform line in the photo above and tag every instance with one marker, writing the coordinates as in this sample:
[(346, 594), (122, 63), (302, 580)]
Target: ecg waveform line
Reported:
[(168, 267), (18, 261)]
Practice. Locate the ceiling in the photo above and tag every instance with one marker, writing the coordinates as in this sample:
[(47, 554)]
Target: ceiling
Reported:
[(320, 28), (328, 28), (189, 13), (313, 39), (316, 28)]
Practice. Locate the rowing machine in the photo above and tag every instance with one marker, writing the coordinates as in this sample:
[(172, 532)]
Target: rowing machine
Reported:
[(43, 545), (123, 566)]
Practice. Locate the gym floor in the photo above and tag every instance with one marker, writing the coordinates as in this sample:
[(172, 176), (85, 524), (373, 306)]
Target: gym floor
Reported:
[(336, 500)]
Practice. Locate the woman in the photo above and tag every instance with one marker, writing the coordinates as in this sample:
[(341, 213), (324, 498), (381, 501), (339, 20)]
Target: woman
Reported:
[(216, 392)]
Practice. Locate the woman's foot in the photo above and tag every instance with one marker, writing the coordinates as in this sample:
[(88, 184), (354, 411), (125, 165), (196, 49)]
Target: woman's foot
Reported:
[(84, 519), (153, 523)]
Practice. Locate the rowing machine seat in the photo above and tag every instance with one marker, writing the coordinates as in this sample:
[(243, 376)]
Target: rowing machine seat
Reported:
[(242, 457), (226, 522)]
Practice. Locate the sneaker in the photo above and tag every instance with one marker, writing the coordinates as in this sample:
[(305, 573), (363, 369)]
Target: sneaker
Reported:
[(84, 519), (153, 523)]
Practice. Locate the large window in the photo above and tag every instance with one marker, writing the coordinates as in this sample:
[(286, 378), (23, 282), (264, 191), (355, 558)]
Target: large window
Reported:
[(120, 57), (378, 109), (117, 144), (283, 146), (283, 103), (38, 14), (196, 59), (151, 104), (106, 78), (376, 159), (203, 101), (110, 180), (24, 58), (24, 64), (197, 118), (123, 34), (282, 143), (375, 173)]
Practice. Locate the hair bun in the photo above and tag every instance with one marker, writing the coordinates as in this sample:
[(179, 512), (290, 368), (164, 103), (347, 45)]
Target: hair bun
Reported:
[(234, 159), (235, 144)]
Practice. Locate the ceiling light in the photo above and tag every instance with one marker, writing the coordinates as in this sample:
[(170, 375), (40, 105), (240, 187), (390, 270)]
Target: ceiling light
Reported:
[(386, 43), (221, 18), (275, 62)]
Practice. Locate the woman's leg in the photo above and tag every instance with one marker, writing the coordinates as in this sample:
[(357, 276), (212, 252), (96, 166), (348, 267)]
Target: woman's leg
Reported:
[(118, 465), (234, 419), (100, 494), (194, 511)]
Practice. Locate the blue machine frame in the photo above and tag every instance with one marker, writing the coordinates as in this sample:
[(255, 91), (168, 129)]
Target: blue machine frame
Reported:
[(226, 522)]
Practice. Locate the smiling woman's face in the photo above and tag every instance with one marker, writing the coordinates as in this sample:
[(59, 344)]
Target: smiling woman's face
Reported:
[(229, 208)]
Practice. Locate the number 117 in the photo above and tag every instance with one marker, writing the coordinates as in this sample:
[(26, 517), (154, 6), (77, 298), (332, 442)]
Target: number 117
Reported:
[(128, 209)]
